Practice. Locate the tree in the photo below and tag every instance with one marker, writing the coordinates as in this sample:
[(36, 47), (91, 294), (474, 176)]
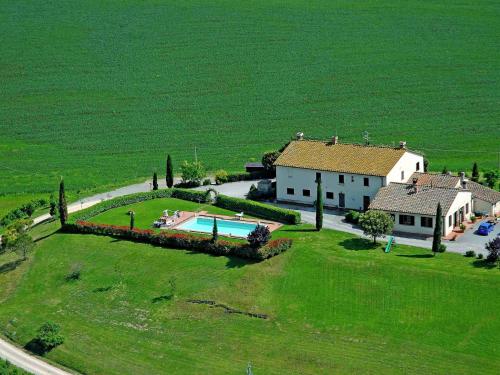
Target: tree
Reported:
[(491, 178), (63, 207), (132, 219), (221, 177), (29, 208), (376, 224), (475, 173), (319, 205), (268, 160), (192, 172), (259, 236), (215, 231), (23, 245), (438, 229), (445, 170), (53, 205), (48, 336), (493, 248), (14, 231), (170, 172), (426, 165), (155, 181)]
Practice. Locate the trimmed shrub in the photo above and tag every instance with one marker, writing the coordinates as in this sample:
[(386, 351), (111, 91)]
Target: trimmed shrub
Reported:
[(258, 209), (352, 217), (48, 336), (441, 248), (206, 182), (480, 256), (470, 254), (183, 241), (473, 218), (221, 177), (259, 236), (75, 272)]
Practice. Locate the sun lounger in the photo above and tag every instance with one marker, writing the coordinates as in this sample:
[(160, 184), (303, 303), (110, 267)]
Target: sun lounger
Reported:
[(239, 216)]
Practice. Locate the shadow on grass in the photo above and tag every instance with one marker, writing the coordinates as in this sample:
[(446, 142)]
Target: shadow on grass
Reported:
[(232, 261), (165, 297), (47, 235), (103, 289), (483, 263), (11, 266), (300, 230), (35, 347), (422, 256), (359, 244)]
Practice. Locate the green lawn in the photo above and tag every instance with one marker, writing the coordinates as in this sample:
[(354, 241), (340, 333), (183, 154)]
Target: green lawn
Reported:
[(100, 92), (334, 305)]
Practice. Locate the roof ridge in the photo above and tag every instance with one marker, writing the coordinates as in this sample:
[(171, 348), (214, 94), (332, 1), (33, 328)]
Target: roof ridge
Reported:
[(349, 144)]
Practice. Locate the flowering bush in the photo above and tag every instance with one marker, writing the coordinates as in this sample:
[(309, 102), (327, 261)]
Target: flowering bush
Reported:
[(183, 240)]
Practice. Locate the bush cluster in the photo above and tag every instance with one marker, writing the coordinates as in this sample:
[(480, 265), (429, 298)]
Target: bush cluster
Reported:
[(470, 254), (189, 195), (258, 209), (352, 217), (22, 212), (183, 241)]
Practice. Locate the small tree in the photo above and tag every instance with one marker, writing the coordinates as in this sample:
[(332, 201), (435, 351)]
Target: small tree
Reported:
[(14, 231), (132, 219), (259, 236), (215, 231), (221, 177), (438, 229), (491, 178), (475, 173), (268, 160), (23, 245), (426, 165), (319, 205), (53, 205), (445, 170), (493, 248), (376, 224), (170, 172), (63, 207), (48, 336), (29, 208), (155, 181), (192, 172)]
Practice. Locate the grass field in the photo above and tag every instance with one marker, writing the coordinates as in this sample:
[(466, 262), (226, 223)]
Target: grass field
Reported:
[(335, 306), (100, 92)]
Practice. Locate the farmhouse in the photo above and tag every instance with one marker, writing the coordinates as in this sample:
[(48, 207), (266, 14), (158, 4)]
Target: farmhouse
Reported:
[(351, 174)]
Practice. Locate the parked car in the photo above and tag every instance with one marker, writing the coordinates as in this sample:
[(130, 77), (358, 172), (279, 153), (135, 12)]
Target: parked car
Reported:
[(485, 228)]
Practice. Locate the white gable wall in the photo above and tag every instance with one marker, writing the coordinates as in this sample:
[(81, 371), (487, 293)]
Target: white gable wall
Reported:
[(460, 202), (407, 164)]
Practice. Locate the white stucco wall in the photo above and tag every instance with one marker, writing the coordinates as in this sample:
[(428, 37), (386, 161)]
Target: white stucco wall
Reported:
[(417, 228), (461, 200), (408, 164), (299, 179)]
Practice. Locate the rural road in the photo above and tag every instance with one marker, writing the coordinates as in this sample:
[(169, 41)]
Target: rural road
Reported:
[(26, 361), (332, 220)]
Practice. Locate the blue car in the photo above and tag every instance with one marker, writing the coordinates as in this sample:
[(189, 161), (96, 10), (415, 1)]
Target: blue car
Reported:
[(485, 228)]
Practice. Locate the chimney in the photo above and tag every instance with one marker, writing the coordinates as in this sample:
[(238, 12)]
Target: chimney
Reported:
[(299, 136), (402, 145), (335, 139), (463, 180), (415, 186)]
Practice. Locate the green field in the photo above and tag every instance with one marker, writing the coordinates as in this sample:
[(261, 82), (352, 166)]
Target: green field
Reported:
[(336, 305), (100, 91)]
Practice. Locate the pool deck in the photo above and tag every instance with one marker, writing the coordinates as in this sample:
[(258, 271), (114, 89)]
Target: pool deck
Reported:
[(186, 215)]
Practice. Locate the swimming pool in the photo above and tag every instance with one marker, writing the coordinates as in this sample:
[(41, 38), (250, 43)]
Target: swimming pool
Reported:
[(224, 227)]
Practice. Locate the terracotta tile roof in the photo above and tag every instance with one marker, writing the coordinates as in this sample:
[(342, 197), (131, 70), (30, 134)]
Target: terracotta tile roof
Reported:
[(398, 197), (448, 181), (436, 180), (346, 158), (483, 192)]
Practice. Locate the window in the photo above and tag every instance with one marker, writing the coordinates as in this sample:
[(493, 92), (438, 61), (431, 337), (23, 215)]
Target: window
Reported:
[(306, 193), (467, 208), (418, 166), (426, 222), (402, 175), (406, 220), (366, 181), (352, 178), (449, 221), (393, 217), (341, 178), (329, 195), (318, 176), (290, 191)]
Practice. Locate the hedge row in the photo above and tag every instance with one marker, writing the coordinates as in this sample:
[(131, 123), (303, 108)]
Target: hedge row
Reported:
[(258, 209), (189, 195), (183, 241), (22, 212)]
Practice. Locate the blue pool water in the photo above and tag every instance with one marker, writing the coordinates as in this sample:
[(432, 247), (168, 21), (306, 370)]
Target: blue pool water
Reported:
[(224, 227)]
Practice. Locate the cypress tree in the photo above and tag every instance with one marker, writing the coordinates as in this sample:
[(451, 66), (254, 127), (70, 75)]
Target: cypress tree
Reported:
[(170, 172), (475, 173), (215, 231), (155, 181), (63, 207), (319, 205), (132, 219), (438, 229)]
